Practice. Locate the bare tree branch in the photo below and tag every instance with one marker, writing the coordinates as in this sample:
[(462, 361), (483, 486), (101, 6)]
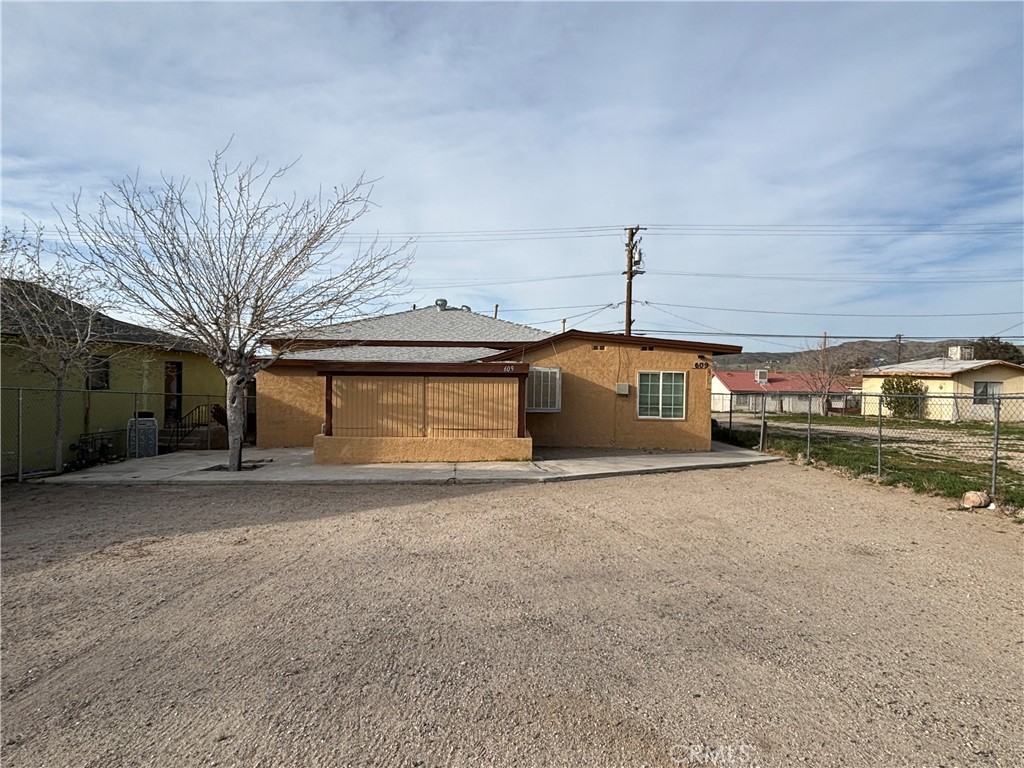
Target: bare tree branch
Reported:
[(227, 265)]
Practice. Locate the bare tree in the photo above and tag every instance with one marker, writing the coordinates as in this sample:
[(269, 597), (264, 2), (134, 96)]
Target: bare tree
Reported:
[(226, 265), (51, 316), (823, 369)]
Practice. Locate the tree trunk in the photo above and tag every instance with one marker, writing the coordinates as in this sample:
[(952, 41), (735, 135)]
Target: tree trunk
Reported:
[(58, 426), (236, 385)]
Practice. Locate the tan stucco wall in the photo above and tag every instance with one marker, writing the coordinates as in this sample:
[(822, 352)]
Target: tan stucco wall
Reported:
[(593, 416), (1012, 379), (290, 408), (391, 450)]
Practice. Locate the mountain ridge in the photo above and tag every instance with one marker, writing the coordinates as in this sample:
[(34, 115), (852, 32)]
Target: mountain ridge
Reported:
[(849, 355)]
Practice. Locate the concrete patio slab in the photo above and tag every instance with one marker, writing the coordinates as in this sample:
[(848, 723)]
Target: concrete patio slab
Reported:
[(295, 465)]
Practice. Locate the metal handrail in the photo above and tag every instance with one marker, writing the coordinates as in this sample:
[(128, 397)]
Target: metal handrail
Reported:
[(187, 424)]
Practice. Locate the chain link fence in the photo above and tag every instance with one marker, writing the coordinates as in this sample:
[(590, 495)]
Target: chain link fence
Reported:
[(98, 426), (944, 444)]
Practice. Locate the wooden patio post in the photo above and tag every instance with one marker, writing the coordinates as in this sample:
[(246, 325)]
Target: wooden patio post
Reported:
[(522, 407), (329, 406)]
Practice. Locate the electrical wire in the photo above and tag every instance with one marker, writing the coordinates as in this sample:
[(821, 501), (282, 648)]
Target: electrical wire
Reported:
[(808, 279), (654, 304), (702, 325), (802, 335), (863, 229)]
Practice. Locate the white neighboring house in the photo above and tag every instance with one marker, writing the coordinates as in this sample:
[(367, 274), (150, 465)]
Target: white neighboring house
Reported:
[(954, 389), (783, 392)]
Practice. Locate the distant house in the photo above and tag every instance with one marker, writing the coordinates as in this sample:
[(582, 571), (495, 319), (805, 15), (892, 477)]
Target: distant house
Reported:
[(782, 392), (956, 388), (444, 383)]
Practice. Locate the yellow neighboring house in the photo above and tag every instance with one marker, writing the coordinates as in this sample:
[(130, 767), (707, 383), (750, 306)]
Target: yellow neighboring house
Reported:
[(954, 390), (135, 370)]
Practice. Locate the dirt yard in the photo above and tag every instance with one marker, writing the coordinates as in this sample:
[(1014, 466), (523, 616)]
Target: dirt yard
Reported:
[(771, 616)]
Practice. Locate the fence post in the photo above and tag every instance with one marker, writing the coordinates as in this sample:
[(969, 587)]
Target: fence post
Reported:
[(878, 471), (209, 424), (21, 440), (730, 412), (761, 441), (995, 443), (135, 416), (810, 401)]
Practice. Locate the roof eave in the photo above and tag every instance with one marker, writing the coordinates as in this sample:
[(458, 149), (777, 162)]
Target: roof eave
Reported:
[(618, 338)]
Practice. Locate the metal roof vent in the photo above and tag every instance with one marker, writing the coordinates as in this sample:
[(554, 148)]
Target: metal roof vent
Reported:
[(441, 304), (466, 308)]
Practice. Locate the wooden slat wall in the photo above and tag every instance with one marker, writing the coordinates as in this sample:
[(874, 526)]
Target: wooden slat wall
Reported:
[(471, 407), (379, 406), (418, 406)]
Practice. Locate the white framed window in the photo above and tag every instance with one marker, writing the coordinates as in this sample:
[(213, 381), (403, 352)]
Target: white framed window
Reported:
[(544, 390), (985, 391), (661, 395)]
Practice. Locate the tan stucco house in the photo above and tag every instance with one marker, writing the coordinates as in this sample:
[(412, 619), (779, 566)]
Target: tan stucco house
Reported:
[(443, 383), (954, 389)]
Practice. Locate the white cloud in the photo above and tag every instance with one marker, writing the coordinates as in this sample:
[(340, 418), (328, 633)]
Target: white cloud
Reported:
[(516, 116)]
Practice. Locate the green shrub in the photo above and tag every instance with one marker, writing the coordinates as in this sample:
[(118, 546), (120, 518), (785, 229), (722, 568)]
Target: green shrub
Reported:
[(902, 396)]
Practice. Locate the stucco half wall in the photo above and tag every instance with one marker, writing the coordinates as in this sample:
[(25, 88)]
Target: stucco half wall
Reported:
[(394, 450), (290, 408), (592, 415)]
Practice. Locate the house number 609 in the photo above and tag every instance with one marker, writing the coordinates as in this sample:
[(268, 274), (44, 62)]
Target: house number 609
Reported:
[(509, 368), (702, 364)]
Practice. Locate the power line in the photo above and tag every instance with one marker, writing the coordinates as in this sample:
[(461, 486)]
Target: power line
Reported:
[(862, 229), (862, 337), (547, 309), (702, 325), (857, 280), (828, 314)]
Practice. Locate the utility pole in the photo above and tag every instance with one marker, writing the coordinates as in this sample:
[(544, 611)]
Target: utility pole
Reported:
[(824, 352), (899, 348), (633, 258)]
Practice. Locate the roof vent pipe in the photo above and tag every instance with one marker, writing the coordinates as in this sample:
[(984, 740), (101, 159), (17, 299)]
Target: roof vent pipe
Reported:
[(441, 304)]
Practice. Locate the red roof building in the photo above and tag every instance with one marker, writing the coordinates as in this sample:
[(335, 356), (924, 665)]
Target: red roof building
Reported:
[(790, 392)]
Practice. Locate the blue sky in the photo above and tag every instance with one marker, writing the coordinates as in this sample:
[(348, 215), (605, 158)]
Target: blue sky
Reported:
[(849, 159)]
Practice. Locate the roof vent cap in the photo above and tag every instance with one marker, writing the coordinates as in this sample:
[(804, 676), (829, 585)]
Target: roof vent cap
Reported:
[(466, 307), (441, 304)]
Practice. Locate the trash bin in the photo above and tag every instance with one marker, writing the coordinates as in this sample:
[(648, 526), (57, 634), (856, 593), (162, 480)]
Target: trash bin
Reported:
[(142, 438)]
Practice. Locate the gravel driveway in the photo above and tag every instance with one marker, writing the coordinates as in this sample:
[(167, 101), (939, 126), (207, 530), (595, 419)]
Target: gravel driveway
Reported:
[(775, 615)]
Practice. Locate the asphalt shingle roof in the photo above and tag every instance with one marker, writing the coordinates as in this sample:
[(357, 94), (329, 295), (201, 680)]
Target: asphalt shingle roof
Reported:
[(431, 324), (372, 354), (65, 313)]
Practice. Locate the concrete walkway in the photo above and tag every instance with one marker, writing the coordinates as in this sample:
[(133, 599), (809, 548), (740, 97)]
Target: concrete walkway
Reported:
[(295, 465)]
